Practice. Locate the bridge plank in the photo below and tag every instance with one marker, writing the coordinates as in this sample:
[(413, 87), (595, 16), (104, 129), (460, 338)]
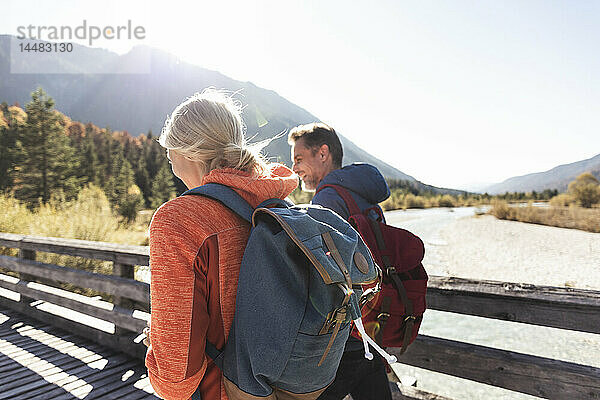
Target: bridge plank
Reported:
[(40, 350), (72, 362), (58, 360), (515, 289), (565, 308), (109, 384), (30, 377), (110, 374), (130, 393), (122, 343)]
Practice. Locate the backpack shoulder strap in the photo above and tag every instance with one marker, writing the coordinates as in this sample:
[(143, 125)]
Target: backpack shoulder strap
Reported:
[(346, 196), (226, 196), (215, 354)]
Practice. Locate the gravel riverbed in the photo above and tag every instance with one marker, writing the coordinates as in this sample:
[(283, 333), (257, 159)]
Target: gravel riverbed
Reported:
[(487, 248)]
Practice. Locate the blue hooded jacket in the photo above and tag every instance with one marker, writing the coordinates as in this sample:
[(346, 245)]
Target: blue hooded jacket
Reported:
[(368, 188), (365, 183)]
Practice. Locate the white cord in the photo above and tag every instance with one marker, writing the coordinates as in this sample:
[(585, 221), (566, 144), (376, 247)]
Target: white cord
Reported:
[(366, 339), (361, 329)]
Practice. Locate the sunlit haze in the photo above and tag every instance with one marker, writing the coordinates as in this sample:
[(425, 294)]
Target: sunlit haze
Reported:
[(454, 93)]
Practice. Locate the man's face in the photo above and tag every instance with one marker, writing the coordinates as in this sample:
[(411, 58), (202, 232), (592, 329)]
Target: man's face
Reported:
[(309, 164)]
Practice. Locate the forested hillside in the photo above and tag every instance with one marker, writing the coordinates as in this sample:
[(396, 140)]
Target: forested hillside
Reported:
[(44, 154)]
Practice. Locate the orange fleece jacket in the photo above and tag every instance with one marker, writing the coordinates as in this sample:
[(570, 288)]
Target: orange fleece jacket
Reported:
[(196, 248)]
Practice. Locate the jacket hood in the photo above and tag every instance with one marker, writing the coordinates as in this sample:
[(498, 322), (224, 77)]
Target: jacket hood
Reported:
[(277, 181), (361, 178)]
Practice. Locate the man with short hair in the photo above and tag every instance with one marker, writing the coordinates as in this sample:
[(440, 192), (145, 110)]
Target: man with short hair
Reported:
[(317, 159)]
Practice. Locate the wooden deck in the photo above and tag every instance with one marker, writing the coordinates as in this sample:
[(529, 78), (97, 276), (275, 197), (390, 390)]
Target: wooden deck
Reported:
[(40, 361)]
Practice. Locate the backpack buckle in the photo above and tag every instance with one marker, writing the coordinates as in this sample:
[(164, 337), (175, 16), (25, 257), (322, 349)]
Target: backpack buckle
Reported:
[(368, 295), (337, 315), (410, 317), (340, 314), (383, 316), (390, 270)]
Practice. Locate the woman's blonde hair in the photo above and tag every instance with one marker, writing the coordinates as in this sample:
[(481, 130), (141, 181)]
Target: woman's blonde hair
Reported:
[(208, 128)]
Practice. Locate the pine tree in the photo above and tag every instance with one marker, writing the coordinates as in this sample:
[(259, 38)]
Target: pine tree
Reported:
[(155, 157), (89, 162), (102, 147), (131, 204), (49, 163), (162, 186), (142, 179), (120, 180), (112, 154)]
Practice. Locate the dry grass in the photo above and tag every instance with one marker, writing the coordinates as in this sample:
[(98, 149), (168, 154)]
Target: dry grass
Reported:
[(87, 218), (399, 200), (574, 217)]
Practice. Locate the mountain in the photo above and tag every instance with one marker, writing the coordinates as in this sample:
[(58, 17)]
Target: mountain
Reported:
[(139, 102), (555, 178)]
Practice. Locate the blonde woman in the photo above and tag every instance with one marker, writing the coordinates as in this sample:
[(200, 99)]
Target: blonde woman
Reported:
[(196, 244)]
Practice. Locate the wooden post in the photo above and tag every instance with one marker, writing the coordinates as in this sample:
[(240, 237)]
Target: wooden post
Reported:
[(27, 255), (124, 271)]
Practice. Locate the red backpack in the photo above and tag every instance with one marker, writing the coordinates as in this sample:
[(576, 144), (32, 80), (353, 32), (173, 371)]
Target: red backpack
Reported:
[(392, 315)]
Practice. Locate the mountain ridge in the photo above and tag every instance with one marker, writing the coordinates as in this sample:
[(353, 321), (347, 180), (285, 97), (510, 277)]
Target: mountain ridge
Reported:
[(558, 177), (137, 103)]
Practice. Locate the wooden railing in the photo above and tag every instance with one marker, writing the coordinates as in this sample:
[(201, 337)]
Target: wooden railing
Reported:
[(131, 298), (564, 308)]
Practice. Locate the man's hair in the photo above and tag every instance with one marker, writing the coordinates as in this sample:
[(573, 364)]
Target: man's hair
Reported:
[(316, 135)]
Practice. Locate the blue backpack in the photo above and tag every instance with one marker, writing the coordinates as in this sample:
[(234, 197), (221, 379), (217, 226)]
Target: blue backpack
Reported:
[(298, 292)]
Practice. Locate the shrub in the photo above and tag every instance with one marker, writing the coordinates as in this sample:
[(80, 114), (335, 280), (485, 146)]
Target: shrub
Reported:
[(446, 201), (562, 200), (412, 201), (388, 204), (573, 217), (585, 189), (89, 217), (501, 209), (394, 202)]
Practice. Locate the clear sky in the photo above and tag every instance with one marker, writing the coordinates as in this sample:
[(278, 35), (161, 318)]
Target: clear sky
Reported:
[(454, 93)]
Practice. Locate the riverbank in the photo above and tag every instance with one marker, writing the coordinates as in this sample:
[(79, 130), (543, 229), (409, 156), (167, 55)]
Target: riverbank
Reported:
[(574, 217)]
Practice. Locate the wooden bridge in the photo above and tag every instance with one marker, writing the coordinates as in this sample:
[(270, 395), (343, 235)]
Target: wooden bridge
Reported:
[(58, 341)]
